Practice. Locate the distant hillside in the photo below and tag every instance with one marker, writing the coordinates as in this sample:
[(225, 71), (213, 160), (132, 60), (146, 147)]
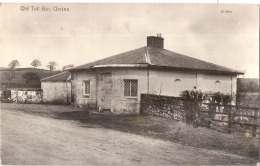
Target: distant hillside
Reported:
[(248, 92), (16, 77), (248, 85)]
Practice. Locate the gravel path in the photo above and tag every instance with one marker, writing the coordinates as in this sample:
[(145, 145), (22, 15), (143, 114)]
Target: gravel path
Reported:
[(29, 140)]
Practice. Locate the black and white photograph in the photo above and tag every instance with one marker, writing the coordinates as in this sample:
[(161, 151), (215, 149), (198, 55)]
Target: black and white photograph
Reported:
[(129, 84)]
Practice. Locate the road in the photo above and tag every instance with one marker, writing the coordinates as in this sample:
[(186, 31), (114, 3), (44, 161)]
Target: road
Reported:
[(30, 140)]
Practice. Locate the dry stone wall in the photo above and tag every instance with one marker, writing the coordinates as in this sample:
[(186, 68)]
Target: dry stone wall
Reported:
[(163, 106)]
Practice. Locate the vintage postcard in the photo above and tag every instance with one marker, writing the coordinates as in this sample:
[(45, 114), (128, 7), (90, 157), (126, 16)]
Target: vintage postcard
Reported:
[(129, 84)]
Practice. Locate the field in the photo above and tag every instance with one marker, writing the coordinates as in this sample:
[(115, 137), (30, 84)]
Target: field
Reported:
[(48, 134), (18, 80)]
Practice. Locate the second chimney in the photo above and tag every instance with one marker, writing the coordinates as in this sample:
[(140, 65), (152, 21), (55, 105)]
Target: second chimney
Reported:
[(155, 41)]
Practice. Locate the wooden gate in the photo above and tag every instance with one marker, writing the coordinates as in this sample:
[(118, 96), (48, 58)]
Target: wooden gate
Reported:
[(246, 117)]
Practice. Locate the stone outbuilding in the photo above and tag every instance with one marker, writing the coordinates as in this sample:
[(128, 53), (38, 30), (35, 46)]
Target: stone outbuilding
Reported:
[(117, 82), (57, 88)]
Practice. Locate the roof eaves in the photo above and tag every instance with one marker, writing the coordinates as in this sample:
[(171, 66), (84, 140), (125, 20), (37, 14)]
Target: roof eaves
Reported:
[(53, 76), (197, 70), (120, 65)]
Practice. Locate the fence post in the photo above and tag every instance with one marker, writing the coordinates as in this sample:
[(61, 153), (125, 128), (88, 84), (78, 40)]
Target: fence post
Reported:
[(209, 115), (229, 119), (199, 107), (255, 122)]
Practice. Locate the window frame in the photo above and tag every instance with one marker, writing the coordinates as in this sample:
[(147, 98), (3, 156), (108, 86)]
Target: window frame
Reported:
[(217, 86), (84, 88), (177, 83), (130, 86)]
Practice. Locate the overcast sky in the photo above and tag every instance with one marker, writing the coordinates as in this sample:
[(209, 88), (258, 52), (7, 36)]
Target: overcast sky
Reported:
[(89, 32)]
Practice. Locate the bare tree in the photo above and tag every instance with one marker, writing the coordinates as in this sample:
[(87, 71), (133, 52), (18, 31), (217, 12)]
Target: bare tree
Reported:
[(35, 63), (67, 66), (13, 64), (52, 65)]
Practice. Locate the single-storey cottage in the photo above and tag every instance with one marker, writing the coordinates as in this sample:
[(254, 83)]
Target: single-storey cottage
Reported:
[(57, 88), (116, 83)]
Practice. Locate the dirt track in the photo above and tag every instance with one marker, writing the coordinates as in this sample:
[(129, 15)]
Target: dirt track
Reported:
[(28, 139)]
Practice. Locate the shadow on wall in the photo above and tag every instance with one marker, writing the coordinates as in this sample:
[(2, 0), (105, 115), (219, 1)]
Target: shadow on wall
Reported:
[(57, 102)]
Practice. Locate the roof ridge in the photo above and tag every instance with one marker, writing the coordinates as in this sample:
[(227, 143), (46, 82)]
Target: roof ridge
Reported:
[(106, 58)]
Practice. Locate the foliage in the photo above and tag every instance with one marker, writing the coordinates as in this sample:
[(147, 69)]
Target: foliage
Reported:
[(193, 95), (52, 65), (247, 85), (35, 63), (221, 98), (67, 66), (211, 97), (193, 100), (248, 99), (30, 75), (10, 75), (13, 64), (32, 79)]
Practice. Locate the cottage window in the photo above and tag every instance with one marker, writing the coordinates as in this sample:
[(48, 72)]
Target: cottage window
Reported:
[(177, 83), (86, 87), (130, 88), (217, 86)]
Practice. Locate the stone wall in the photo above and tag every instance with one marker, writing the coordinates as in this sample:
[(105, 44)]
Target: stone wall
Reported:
[(164, 106), (24, 95), (107, 89), (29, 96), (107, 86), (172, 83), (56, 92)]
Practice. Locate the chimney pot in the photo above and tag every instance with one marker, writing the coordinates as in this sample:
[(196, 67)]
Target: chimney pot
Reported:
[(155, 41)]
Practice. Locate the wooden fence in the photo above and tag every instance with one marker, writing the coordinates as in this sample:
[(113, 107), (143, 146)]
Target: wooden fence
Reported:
[(221, 117), (232, 114)]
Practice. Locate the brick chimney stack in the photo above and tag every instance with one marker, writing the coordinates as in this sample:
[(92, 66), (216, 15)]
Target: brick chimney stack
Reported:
[(155, 41)]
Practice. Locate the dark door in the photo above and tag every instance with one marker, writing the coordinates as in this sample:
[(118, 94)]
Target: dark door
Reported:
[(104, 93), (7, 94)]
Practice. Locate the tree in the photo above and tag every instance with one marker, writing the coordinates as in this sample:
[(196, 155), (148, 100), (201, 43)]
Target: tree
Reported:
[(9, 76), (32, 79), (35, 63), (13, 64), (67, 66), (52, 65)]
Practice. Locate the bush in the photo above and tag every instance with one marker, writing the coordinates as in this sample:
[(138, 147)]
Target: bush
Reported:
[(208, 97), (193, 95), (193, 100)]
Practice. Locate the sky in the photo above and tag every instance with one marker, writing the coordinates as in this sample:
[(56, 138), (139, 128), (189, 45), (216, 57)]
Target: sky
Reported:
[(223, 34)]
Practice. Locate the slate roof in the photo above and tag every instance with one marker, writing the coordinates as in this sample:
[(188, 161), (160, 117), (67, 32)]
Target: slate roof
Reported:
[(159, 58), (61, 77)]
